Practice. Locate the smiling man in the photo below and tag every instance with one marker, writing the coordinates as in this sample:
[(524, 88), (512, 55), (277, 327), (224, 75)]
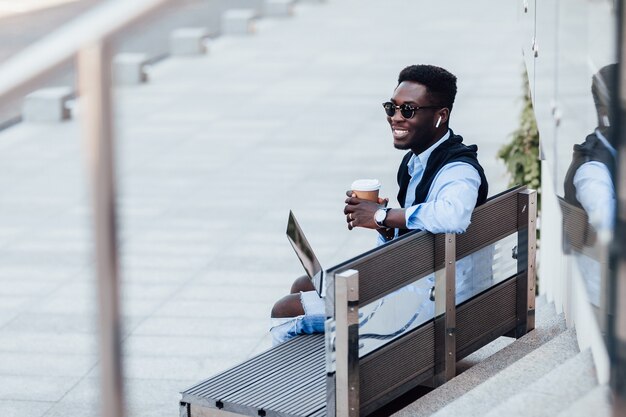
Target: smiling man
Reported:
[(440, 178), (440, 183)]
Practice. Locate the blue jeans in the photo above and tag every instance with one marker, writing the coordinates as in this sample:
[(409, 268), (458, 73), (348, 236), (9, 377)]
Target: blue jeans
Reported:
[(312, 321)]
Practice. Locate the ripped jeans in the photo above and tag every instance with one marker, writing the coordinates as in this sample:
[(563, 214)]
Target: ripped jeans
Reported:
[(312, 321)]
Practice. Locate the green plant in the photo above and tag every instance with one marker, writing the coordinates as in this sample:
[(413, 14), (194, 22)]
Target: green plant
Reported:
[(521, 154)]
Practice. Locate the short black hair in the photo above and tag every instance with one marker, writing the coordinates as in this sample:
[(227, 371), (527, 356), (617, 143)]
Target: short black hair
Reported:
[(441, 84), (603, 85)]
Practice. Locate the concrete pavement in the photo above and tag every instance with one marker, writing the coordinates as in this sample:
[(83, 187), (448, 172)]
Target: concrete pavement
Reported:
[(212, 154)]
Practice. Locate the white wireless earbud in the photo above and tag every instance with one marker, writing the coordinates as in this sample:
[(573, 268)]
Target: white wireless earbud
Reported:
[(438, 121)]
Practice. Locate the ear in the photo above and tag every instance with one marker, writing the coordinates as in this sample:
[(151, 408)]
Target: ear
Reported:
[(444, 114)]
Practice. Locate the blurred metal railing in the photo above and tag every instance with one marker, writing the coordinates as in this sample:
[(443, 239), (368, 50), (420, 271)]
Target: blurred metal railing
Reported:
[(89, 40)]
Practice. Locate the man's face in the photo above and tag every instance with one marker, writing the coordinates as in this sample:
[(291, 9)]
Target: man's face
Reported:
[(418, 132)]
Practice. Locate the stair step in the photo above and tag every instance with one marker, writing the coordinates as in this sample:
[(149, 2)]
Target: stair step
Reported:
[(553, 392), (596, 402), (478, 400), (483, 354), (548, 326)]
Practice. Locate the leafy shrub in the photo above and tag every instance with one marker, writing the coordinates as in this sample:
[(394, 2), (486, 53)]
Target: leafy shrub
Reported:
[(521, 154)]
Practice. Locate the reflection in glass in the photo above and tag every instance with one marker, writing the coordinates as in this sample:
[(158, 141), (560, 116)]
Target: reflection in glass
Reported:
[(588, 183), (589, 188), (485, 268), (403, 310)]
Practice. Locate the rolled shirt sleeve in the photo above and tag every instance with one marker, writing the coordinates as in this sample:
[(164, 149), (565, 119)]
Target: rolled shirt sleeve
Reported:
[(596, 193), (449, 208)]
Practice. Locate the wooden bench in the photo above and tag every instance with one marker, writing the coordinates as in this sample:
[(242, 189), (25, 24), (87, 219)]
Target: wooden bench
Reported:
[(328, 375)]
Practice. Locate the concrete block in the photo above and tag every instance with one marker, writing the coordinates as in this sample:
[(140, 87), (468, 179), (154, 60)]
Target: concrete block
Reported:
[(238, 22), (278, 8), (47, 105), (129, 68), (188, 41)]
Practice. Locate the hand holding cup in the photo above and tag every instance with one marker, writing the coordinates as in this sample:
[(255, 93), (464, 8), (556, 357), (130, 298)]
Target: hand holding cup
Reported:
[(362, 203)]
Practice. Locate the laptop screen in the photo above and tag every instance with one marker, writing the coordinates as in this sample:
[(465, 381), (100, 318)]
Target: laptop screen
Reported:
[(305, 253)]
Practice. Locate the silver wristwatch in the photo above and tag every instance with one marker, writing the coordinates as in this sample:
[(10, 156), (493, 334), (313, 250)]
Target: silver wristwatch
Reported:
[(380, 215)]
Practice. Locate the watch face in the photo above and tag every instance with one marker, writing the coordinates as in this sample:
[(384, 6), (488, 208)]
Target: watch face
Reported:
[(380, 215)]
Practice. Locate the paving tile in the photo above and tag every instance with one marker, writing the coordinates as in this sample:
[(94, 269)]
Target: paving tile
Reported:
[(19, 288), (229, 278), (52, 323), (24, 408), (47, 343), (28, 271), (86, 392), (215, 309), (154, 410), (35, 388), (89, 306), (181, 368), (183, 346), (219, 329), (46, 364), (148, 291), (66, 408), (7, 317), (13, 303), (138, 275), (161, 393)]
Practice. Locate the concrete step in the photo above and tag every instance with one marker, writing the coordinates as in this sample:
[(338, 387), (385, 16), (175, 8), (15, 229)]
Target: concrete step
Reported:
[(489, 361), (479, 399), (554, 392), (596, 402)]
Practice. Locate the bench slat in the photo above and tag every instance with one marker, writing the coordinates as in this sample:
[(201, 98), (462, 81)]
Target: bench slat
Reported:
[(282, 381), (275, 360)]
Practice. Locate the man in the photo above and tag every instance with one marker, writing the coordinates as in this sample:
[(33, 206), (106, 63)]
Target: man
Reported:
[(589, 180), (589, 185), (440, 183)]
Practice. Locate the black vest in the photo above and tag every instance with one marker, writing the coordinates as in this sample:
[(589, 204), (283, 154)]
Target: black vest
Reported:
[(451, 150), (592, 149)]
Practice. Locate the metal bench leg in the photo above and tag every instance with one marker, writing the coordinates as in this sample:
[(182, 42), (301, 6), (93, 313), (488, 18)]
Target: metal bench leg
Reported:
[(347, 344), (445, 303), (527, 247)]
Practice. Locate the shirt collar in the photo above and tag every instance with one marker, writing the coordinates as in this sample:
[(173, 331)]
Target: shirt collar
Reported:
[(606, 143), (422, 159)]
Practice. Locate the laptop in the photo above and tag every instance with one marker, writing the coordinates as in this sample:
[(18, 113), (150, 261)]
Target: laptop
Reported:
[(305, 253)]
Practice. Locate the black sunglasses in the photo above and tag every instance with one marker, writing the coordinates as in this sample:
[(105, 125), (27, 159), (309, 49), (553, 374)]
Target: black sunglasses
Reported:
[(406, 110)]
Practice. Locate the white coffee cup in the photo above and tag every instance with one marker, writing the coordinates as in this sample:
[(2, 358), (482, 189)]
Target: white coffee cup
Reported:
[(366, 189)]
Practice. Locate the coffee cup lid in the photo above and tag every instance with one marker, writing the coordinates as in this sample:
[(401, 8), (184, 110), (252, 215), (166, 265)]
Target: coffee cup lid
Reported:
[(366, 185)]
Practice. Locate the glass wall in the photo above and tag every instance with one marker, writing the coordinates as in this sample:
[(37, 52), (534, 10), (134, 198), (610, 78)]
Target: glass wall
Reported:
[(570, 55)]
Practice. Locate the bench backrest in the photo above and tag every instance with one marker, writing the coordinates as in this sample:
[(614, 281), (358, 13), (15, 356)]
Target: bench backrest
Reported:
[(427, 353)]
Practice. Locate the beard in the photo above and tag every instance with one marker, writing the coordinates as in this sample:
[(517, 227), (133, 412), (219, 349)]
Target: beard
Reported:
[(401, 146)]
